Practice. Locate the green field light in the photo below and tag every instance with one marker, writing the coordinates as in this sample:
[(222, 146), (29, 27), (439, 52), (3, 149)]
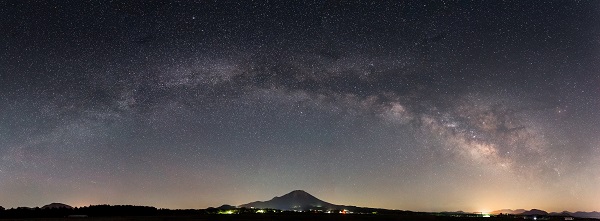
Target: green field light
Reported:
[(227, 212)]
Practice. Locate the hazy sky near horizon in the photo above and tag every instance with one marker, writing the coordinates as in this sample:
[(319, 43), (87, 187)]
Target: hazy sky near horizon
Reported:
[(428, 106)]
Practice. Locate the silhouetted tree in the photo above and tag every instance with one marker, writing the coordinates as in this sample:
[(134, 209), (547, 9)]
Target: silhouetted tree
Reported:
[(211, 210), (1, 208)]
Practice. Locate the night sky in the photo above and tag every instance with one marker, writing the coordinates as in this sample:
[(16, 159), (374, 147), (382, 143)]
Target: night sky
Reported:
[(413, 105)]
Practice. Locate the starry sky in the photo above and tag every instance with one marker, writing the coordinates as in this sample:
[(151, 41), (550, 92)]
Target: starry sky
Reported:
[(413, 105)]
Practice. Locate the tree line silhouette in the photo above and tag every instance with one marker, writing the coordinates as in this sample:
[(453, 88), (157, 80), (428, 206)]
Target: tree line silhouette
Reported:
[(93, 211), (132, 210)]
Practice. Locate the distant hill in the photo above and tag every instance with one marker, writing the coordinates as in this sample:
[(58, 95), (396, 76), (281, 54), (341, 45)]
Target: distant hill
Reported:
[(509, 211), (586, 214), (226, 207), (544, 213), (296, 200), (563, 213), (56, 206), (535, 212), (579, 214)]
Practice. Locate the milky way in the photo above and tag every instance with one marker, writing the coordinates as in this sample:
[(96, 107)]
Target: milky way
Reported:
[(403, 105)]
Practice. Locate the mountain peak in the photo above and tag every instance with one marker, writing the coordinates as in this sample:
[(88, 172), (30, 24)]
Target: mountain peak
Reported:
[(298, 194), (295, 200)]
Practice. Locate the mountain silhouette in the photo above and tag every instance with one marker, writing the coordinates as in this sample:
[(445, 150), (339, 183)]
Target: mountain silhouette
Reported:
[(595, 215), (226, 207), (535, 212), (509, 211), (56, 206), (295, 200), (579, 214)]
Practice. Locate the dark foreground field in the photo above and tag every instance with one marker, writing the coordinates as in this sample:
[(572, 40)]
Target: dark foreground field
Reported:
[(299, 216)]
